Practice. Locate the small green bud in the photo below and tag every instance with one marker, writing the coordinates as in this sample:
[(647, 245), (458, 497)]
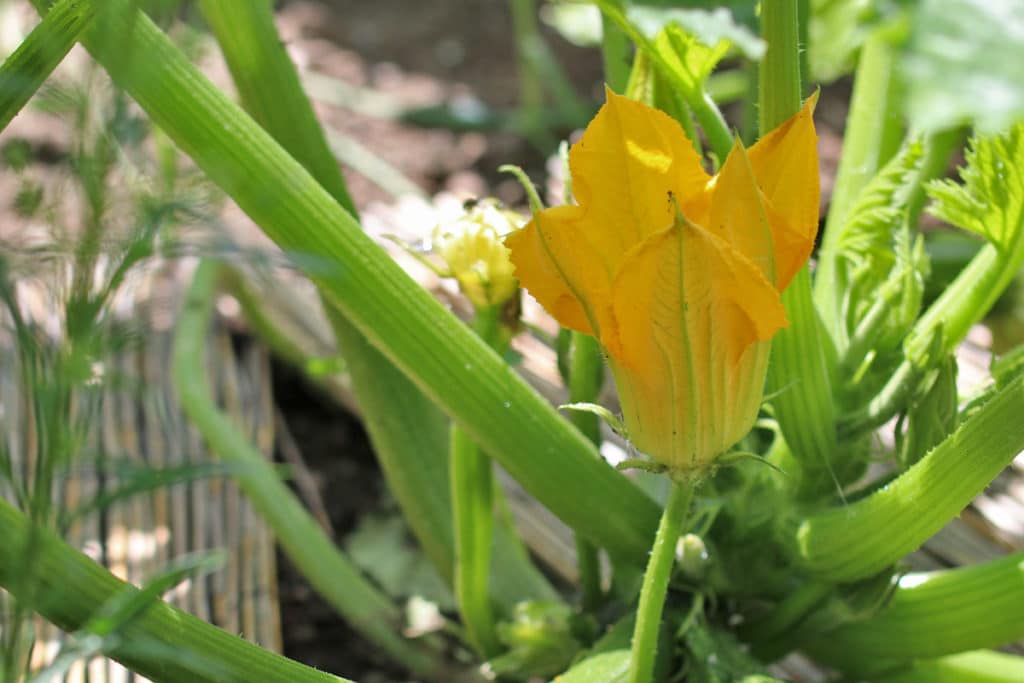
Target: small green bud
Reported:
[(692, 556)]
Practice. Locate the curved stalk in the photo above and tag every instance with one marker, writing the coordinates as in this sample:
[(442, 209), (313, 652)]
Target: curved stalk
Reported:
[(40, 53), (938, 613), (368, 611), (585, 377), (162, 643), (655, 586), (856, 541)]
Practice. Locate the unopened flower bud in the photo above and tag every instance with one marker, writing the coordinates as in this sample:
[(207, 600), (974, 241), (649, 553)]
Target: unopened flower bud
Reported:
[(473, 249)]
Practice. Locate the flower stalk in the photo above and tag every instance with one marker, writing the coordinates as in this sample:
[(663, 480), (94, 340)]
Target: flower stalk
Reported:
[(586, 373), (655, 586), (472, 484)]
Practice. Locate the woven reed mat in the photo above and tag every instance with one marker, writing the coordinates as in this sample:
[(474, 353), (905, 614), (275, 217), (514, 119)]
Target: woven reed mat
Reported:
[(138, 420)]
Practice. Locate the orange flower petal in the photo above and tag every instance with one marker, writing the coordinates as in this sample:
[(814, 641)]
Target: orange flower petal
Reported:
[(737, 212), (785, 163), (690, 313), (555, 263), (624, 167)]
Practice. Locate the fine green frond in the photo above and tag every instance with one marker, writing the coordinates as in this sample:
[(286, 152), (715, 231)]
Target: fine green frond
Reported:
[(867, 234), (990, 200), (881, 270)]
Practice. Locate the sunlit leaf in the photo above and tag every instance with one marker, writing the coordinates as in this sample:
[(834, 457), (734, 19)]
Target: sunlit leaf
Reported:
[(607, 667), (990, 200), (709, 27), (964, 62)]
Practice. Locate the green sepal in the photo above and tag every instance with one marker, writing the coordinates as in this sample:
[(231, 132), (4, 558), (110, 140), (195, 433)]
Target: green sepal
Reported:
[(603, 413)]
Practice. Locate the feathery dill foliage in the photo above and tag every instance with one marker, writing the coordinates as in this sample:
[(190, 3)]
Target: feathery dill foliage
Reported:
[(92, 222)]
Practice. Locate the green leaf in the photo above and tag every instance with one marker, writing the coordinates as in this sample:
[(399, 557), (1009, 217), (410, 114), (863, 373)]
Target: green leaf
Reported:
[(607, 667), (865, 239), (990, 201), (711, 28), (381, 547), (880, 270), (964, 62), (690, 59)]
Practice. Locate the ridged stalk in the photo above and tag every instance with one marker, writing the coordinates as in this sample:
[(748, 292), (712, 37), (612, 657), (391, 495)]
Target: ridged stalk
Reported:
[(40, 53), (472, 479), (417, 333), (982, 666), (939, 613), (70, 588), (858, 540)]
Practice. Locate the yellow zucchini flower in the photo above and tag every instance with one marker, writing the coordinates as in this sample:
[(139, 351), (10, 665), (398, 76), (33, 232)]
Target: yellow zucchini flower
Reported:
[(676, 272)]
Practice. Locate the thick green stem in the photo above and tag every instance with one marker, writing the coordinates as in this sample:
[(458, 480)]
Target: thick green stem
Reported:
[(586, 374), (873, 133), (713, 124), (967, 300), (473, 513), (410, 327), (655, 586), (40, 53), (800, 368), (331, 573), (980, 666), (779, 95), (859, 540), (938, 613), (163, 643), (615, 52)]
